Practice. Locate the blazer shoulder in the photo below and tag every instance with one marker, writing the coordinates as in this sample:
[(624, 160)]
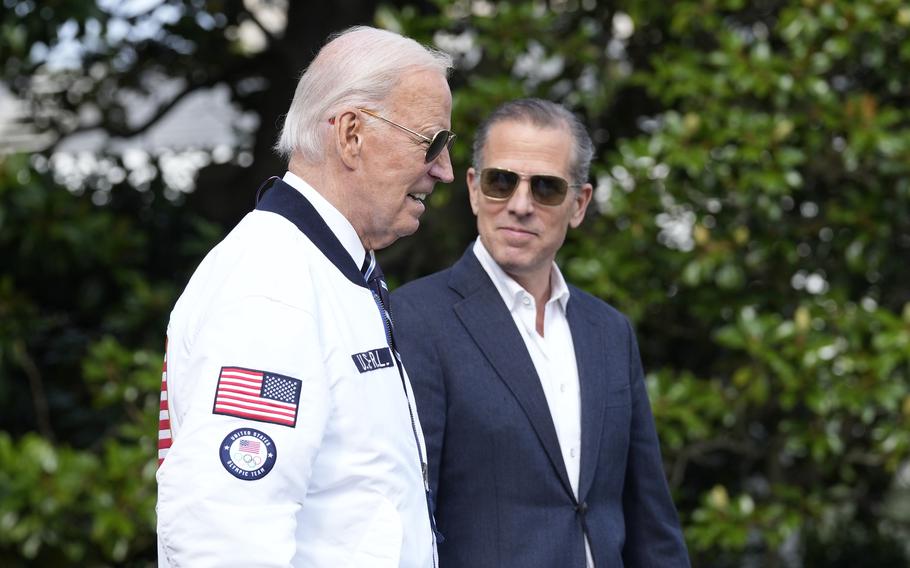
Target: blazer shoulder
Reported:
[(589, 304), (424, 294)]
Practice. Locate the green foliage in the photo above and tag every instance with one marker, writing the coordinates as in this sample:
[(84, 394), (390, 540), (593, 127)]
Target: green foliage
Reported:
[(64, 506), (61, 505), (84, 295), (752, 215)]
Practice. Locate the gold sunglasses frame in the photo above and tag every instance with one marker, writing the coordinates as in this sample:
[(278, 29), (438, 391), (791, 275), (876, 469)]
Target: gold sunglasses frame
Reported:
[(525, 177), (450, 136)]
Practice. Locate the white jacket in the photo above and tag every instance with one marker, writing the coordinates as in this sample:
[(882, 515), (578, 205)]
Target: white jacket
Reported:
[(319, 465)]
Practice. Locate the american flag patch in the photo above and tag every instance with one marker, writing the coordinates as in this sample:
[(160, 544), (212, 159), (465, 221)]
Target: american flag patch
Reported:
[(164, 417), (257, 395)]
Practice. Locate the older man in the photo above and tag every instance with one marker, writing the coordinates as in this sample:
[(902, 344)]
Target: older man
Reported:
[(541, 444), (289, 434)]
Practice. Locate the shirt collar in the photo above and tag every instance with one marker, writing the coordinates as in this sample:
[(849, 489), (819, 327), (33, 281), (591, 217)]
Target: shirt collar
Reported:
[(338, 223), (510, 290), (559, 290)]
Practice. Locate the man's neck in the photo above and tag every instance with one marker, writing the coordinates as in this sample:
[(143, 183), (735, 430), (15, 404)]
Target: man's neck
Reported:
[(540, 288), (325, 182)]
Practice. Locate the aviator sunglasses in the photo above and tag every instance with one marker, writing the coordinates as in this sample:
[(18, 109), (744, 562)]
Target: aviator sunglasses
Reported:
[(499, 184), (435, 145)]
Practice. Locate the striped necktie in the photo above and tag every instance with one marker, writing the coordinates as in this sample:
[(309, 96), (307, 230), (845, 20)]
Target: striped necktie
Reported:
[(376, 282)]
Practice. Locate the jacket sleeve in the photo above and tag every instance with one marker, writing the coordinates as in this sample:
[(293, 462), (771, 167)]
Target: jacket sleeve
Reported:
[(653, 534), (211, 512), (417, 345)]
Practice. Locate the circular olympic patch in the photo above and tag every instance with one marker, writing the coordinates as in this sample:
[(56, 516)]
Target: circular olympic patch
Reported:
[(248, 454)]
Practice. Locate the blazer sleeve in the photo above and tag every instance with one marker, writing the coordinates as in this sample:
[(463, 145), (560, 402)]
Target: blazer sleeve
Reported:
[(416, 340), (653, 534)]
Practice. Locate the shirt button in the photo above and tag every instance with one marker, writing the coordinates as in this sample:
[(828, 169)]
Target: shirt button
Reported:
[(526, 300), (562, 387), (572, 452)]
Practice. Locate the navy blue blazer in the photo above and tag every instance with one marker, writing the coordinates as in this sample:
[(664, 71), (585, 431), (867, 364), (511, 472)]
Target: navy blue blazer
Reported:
[(502, 494)]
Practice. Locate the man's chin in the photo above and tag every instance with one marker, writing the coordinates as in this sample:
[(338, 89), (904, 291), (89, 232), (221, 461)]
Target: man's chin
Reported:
[(513, 262), (410, 229), (399, 232)]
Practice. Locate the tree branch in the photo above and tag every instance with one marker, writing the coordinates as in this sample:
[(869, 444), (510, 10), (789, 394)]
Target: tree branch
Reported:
[(120, 132), (36, 383), (694, 451)]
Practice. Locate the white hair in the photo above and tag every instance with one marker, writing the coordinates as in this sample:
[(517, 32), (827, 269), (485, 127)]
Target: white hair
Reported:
[(357, 67)]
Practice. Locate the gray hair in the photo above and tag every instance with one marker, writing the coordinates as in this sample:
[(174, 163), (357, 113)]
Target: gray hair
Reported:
[(357, 67), (545, 114)]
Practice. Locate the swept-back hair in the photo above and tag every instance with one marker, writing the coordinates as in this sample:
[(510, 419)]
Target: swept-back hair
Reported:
[(544, 114), (357, 67)]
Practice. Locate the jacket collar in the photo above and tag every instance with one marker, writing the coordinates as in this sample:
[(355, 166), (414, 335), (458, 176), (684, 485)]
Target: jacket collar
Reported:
[(284, 200)]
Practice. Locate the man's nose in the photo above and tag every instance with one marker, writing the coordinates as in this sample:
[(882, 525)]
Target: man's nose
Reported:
[(521, 202), (442, 167)]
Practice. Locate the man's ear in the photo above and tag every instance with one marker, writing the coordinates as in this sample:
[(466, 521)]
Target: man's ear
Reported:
[(348, 132), (580, 200), (473, 179)]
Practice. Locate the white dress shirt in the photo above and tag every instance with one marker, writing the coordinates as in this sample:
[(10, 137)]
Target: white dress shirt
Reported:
[(553, 355)]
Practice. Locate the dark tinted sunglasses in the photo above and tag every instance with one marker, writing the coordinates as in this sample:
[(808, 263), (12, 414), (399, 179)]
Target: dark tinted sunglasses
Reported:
[(499, 184), (435, 145)]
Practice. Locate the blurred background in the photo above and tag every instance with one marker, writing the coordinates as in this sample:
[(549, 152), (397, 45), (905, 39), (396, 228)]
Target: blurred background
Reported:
[(751, 216)]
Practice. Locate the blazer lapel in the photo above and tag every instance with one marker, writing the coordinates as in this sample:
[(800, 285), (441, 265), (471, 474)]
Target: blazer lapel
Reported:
[(489, 322), (590, 353)]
